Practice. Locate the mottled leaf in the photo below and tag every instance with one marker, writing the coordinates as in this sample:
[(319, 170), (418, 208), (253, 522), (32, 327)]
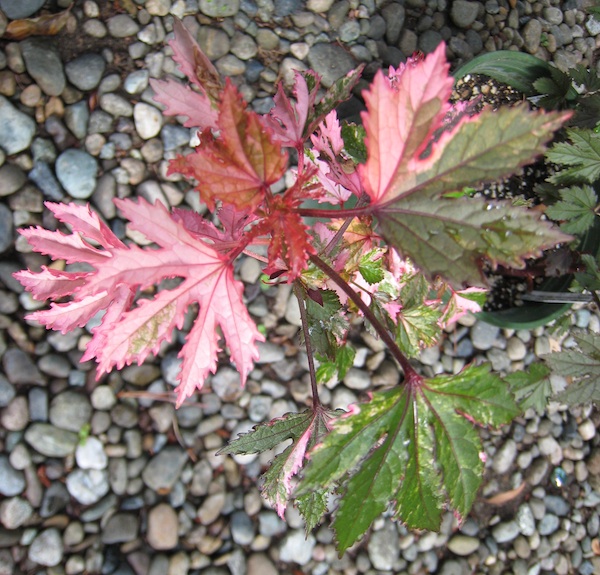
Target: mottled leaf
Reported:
[(531, 388), (415, 447)]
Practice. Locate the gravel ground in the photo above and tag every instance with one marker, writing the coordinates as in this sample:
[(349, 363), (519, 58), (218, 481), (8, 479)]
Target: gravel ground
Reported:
[(104, 477)]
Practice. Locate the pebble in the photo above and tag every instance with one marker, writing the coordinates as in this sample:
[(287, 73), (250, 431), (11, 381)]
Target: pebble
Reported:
[(7, 391), (70, 410), (330, 61), (12, 481), (12, 179), (90, 454), (88, 486), (22, 9), (47, 548), (463, 545), (6, 229), (51, 441), (76, 170), (44, 65), (16, 128), (122, 26), (164, 468), (383, 549), (242, 528), (148, 120), (505, 531), (296, 547), (484, 335), (15, 512), (121, 528), (85, 71), (505, 457), (163, 527)]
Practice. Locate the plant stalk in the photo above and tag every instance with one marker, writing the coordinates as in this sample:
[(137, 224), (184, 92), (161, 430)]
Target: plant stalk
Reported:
[(411, 376), (309, 351)]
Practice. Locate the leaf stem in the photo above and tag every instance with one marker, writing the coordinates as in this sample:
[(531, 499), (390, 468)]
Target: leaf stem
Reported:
[(309, 351), (355, 212), (411, 376), (362, 201)]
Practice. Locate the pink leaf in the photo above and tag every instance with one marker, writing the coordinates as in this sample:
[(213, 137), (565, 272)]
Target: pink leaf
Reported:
[(402, 116), (50, 283), (181, 100)]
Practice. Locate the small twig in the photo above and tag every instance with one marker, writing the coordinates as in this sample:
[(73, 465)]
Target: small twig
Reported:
[(309, 351)]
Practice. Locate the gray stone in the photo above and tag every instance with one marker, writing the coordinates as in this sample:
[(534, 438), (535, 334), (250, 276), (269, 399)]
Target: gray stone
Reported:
[(88, 486), (21, 9), (164, 469), (6, 228), (349, 31), (243, 46), (43, 177), (76, 170), (77, 117), (259, 407), (136, 82), (148, 120), (270, 524), (47, 548), (463, 13), (44, 65), (463, 545), (242, 528), (20, 369), (12, 481), (215, 43), (525, 520), (548, 524), (120, 528), (219, 8), (90, 454), (330, 61), (12, 179), (70, 410), (211, 508), (505, 531), (532, 35), (393, 15), (429, 41), (505, 457), (162, 532), (122, 26), (85, 71), (14, 512), (383, 547), (7, 391), (174, 137), (484, 335), (557, 505), (296, 547), (230, 65), (55, 499), (260, 564), (16, 128), (51, 441), (269, 352), (116, 105)]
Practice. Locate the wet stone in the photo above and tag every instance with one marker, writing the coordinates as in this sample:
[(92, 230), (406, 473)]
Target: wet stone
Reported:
[(51, 441)]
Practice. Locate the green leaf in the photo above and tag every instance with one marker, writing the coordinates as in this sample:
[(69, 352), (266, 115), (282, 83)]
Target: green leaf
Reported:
[(531, 388), (370, 266), (582, 154), (326, 323), (449, 237), (354, 142), (590, 278), (312, 507), (338, 366), (575, 208), (417, 328), (585, 77), (335, 95), (414, 446), (583, 366), (304, 429), (553, 90), (517, 69)]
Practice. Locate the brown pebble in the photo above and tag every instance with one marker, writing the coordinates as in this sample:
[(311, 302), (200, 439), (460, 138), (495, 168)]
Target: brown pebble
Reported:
[(31, 96), (8, 84)]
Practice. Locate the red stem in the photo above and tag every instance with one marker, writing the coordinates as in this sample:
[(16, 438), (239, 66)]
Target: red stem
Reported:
[(411, 376), (329, 214)]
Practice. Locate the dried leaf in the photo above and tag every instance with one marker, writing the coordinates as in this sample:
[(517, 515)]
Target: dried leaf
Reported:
[(46, 25)]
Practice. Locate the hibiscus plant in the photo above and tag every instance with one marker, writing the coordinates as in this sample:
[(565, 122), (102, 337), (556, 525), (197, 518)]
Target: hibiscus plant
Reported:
[(392, 240)]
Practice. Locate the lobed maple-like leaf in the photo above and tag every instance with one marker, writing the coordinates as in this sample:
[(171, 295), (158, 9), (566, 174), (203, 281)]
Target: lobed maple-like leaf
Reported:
[(415, 447), (181, 100), (531, 388), (239, 166), (583, 366), (409, 168), (576, 209), (304, 429), (581, 154), (127, 333)]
